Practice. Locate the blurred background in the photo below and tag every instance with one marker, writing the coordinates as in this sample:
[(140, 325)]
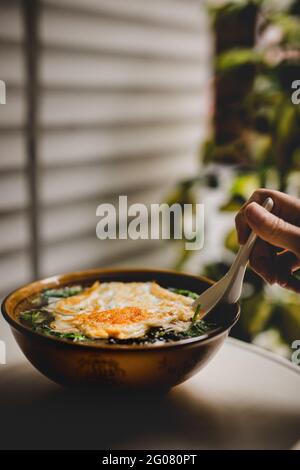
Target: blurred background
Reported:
[(164, 101)]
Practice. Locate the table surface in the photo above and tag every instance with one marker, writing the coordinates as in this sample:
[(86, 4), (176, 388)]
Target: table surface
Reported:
[(244, 398)]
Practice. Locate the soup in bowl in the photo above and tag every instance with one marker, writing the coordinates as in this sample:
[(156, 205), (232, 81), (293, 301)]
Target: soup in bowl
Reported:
[(125, 327)]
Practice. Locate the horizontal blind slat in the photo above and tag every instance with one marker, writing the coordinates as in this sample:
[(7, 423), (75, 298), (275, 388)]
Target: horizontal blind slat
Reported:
[(74, 108), (59, 28), (155, 257), (12, 114), (61, 148), (70, 70), (169, 12), (15, 270), (87, 252), (70, 221), (62, 185), (12, 151), (11, 25), (13, 191), (15, 233), (12, 64)]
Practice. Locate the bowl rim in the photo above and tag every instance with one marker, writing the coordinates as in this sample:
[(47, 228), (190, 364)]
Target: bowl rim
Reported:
[(58, 279)]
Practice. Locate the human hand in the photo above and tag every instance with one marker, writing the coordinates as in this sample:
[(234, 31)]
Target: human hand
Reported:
[(276, 253)]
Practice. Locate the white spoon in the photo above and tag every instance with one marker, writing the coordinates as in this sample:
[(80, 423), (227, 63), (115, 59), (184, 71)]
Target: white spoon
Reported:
[(229, 288)]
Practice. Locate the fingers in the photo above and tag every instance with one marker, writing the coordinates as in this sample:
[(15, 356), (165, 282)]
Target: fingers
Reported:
[(285, 207), (277, 229), (262, 261), (288, 260), (273, 267), (285, 264), (273, 229), (292, 283)]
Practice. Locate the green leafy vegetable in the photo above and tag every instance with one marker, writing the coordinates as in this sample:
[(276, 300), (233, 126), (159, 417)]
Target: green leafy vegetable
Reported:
[(186, 293), (159, 334), (199, 328), (62, 293), (36, 317), (196, 314), (39, 321), (74, 336)]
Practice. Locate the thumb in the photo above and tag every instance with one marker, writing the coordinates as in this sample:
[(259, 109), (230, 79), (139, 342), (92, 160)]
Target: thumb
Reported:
[(272, 229)]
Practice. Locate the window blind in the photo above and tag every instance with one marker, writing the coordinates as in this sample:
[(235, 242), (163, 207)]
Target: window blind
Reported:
[(15, 262), (122, 104)]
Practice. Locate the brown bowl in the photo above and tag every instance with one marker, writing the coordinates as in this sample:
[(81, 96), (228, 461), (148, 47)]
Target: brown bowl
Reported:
[(158, 365)]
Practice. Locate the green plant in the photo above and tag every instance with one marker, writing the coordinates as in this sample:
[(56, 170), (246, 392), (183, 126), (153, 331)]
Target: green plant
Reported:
[(255, 130)]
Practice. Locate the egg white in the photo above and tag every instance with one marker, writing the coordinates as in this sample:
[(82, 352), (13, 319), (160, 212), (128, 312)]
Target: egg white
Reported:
[(122, 310)]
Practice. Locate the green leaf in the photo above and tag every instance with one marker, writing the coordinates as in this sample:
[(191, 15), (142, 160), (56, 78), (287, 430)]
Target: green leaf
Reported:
[(290, 27), (257, 311), (236, 58), (229, 8), (36, 317), (231, 241), (244, 185), (233, 204), (196, 314), (71, 336), (186, 293), (199, 328), (62, 293), (288, 318)]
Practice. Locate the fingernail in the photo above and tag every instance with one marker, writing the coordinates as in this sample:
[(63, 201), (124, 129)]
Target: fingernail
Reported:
[(252, 212)]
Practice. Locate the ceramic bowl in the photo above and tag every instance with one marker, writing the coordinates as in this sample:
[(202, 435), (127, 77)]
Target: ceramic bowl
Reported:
[(158, 365)]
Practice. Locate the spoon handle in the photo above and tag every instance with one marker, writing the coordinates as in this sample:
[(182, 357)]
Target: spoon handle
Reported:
[(235, 275)]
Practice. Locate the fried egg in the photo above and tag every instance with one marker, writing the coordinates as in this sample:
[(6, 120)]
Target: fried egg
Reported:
[(121, 310)]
